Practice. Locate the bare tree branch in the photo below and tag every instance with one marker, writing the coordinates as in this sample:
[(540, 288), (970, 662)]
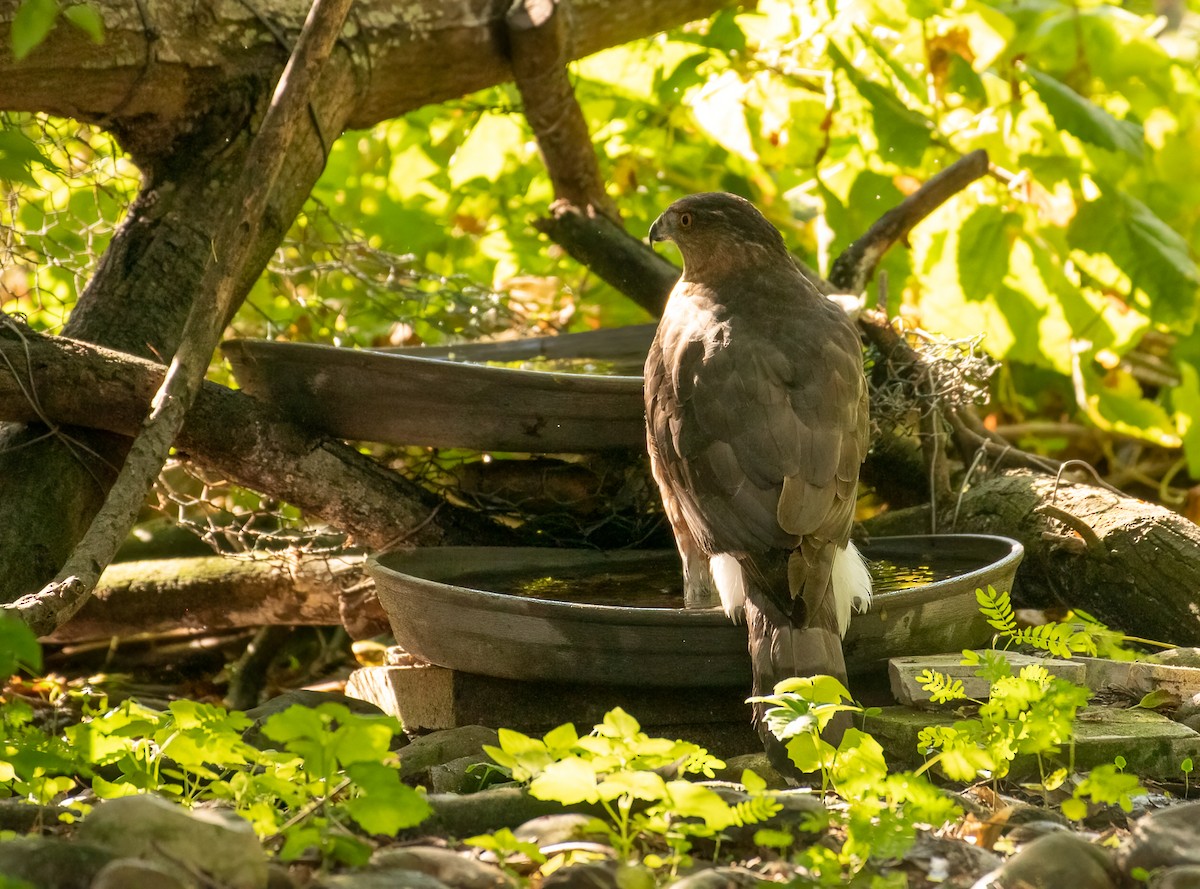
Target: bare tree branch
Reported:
[(853, 269), (238, 437), (540, 47), (622, 260)]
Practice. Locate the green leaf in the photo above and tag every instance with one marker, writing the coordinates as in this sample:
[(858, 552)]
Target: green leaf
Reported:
[(568, 781), (1075, 809), (618, 724), (87, 19), (386, 805), (753, 782), (817, 689), (697, 801), (19, 648), (1185, 400), (33, 21), (18, 153), (1159, 697), (633, 784), (903, 133), (984, 245), (1115, 403), (1085, 119), (563, 737)]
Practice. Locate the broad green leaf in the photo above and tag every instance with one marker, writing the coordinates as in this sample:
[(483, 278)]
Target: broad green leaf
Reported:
[(697, 801), (363, 739), (1159, 697), (988, 31), (819, 689), (1156, 259), (1085, 119), (1075, 809), (809, 753), (984, 245), (19, 648), (753, 782), (860, 767), (903, 133), (562, 737), (568, 781), (386, 805), (619, 724), (1115, 403), (686, 75), (632, 783), (32, 23), (87, 19), (18, 153)]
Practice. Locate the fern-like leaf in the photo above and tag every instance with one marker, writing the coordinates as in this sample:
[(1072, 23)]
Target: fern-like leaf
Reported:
[(997, 608), (941, 687)]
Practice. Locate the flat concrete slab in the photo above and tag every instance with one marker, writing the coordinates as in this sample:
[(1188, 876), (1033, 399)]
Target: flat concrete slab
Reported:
[(907, 690), (1153, 745)]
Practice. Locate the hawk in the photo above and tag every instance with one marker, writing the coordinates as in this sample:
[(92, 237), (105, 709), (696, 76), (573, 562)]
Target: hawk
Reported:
[(756, 422)]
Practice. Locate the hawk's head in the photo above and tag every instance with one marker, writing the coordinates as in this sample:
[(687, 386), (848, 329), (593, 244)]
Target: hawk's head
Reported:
[(717, 229)]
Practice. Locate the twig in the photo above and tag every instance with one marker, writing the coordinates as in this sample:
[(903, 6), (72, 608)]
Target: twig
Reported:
[(1094, 544), (601, 245), (539, 49), (56, 603), (854, 267)]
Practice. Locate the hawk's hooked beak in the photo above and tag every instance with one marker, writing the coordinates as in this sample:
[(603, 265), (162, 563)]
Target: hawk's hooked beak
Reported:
[(658, 231)]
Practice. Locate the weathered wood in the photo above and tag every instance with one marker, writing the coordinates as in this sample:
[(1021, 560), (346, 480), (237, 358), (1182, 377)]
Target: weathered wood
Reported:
[(540, 45), (1129, 563), (621, 345), (183, 86)]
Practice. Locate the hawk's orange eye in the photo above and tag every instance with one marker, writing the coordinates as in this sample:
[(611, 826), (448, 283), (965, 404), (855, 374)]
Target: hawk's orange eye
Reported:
[(685, 220)]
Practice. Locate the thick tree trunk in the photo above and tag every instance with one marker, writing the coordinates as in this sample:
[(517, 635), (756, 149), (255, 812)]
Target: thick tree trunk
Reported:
[(137, 302), (183, 86), (1131, 564)]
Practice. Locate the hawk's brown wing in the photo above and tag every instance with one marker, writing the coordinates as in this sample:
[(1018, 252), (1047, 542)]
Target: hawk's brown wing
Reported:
[(757, 422)]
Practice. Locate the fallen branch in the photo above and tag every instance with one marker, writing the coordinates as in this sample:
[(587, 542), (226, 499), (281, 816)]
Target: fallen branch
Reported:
[(622, 260), (213, 593), (236, 436), (1129, 563)]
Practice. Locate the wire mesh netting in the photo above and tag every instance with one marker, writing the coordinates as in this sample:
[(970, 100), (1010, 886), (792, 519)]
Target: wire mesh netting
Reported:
[(329, 282)]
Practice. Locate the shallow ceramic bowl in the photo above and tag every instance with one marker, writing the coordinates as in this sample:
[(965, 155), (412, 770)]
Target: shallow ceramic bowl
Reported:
[(435, 617)]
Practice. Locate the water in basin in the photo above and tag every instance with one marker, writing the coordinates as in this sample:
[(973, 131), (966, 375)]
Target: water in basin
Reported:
[(659, 583)]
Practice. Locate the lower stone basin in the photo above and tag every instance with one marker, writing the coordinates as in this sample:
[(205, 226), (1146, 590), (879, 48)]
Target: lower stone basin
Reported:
[(449, 606)]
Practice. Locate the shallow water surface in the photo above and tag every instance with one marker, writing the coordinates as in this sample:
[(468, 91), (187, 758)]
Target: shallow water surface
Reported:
[(659, 583)]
